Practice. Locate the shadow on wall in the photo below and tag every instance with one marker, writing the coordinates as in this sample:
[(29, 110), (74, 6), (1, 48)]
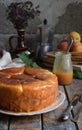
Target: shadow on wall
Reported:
[(71, 20)]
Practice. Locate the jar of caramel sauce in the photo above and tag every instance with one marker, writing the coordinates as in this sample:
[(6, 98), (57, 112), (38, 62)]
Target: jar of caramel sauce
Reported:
[(62, 67)]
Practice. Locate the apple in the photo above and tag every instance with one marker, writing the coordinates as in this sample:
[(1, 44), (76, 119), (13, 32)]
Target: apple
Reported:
[(63, 45), (76, 47)]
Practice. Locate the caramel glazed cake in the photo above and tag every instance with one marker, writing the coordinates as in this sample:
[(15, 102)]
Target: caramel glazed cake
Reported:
[(27, 89)]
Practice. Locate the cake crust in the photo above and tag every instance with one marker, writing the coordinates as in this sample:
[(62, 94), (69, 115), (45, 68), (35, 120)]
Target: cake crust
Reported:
[(27, 89)]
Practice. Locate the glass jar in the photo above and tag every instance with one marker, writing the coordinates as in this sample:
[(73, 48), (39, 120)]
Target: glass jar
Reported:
[(63, 68)]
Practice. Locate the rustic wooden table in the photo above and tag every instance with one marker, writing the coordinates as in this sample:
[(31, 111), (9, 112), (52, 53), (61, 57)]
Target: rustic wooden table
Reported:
[(50, 120)]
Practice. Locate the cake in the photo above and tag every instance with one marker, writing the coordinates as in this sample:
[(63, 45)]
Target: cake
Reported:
[(27, 89)]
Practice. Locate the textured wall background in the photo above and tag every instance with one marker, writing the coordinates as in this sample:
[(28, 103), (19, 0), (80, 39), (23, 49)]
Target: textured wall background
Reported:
[(64, 15)]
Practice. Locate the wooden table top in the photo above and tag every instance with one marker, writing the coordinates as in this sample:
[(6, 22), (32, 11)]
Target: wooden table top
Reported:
[(50, 120)]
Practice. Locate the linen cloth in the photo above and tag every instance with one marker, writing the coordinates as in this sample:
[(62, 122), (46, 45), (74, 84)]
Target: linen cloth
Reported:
[(7, 62)]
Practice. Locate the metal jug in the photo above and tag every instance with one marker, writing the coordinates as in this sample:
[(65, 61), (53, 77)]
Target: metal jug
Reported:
[(44, 39)]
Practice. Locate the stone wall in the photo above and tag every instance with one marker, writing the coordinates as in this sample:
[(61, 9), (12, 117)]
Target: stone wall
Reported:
[(64, 15)]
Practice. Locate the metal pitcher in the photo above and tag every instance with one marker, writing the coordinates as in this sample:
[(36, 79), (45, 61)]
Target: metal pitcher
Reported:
[(44, 39)]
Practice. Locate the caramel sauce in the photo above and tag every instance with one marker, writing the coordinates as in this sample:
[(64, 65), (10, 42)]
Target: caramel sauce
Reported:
[(65, 78)]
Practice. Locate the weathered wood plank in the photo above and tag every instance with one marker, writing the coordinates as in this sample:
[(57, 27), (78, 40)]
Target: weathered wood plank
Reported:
[(75, 88), (25, 123), (51, 120), (4, 121)]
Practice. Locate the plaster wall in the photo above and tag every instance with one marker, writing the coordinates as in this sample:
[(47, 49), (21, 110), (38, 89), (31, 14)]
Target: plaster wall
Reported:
[(64, 15)]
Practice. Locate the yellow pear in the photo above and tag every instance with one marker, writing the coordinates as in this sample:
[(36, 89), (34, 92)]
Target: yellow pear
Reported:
[(76, 36)]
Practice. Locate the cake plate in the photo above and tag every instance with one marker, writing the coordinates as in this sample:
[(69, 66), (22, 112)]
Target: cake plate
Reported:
[(55, 105)]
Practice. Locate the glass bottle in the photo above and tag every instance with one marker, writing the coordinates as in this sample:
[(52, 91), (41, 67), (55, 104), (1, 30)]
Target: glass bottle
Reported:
[(63, 68)]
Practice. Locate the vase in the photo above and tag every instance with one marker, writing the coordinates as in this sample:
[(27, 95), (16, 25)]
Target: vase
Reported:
[(17, 43)]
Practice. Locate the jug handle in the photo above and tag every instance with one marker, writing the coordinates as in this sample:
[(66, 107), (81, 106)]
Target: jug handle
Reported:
[(11, 43)]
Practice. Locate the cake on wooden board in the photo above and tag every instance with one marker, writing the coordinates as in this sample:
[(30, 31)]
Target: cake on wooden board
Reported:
[(27, 89)]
